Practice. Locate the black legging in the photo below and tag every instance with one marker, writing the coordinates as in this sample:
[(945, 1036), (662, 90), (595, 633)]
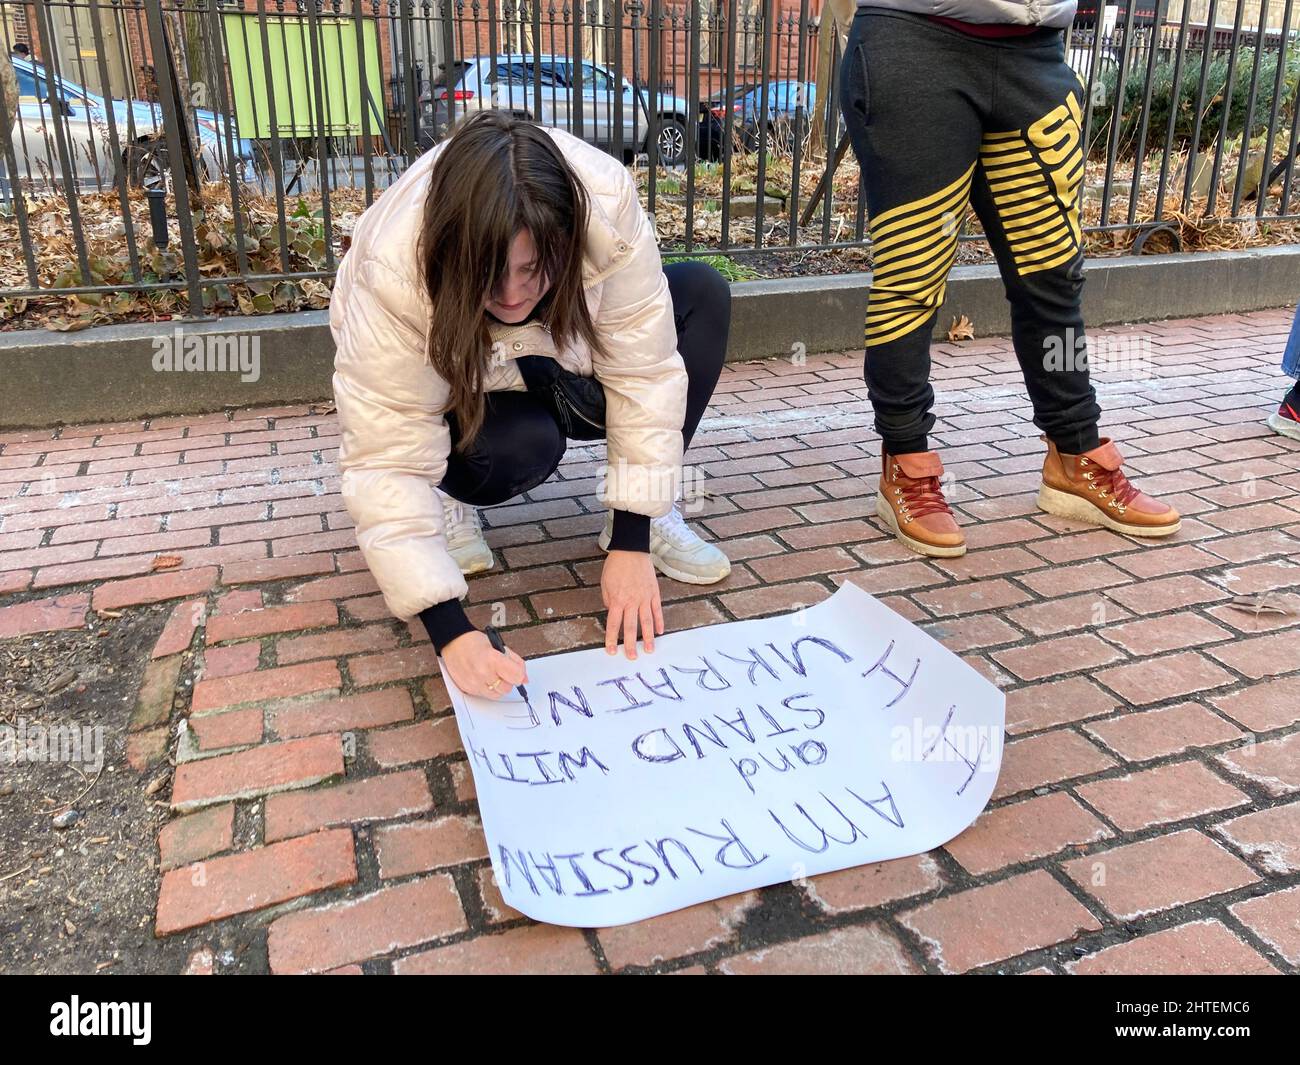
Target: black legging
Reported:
[(520, 444)]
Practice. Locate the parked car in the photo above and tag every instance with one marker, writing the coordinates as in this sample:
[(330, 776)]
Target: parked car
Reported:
[(511, 86), (719, 101), (717, 105), (788, 112), (141, 152)]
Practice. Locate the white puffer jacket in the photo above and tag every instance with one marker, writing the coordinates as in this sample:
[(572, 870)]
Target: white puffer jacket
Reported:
[(390, 399)]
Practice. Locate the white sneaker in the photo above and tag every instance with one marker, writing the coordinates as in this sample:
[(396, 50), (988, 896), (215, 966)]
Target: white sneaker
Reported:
[(1284, 426), (464, 534), (676, 551)]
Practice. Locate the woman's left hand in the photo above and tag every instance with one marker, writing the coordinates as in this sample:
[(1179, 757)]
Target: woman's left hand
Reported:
[(630, 590)]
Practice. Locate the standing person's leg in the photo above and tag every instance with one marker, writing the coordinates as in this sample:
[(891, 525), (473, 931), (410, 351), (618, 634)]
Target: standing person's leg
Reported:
[(1026, 193), (702, 313), (1286, 419), (912, 94)]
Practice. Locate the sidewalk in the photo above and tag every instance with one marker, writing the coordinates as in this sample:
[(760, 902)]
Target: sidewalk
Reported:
[(1146, 818)]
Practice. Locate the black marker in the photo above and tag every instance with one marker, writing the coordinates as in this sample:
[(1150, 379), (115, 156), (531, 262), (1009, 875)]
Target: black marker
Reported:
[(494, 638)]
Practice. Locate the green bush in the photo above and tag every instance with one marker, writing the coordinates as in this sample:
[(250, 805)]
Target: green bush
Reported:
[(1163, 101)]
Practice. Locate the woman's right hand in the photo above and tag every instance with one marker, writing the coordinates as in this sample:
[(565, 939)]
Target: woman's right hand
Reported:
[(480, 669)]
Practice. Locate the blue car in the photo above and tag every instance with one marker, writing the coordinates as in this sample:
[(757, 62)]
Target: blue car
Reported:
[(790, 106), (84, 118)]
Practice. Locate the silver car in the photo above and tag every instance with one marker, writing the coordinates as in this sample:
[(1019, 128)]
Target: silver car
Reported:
[(94, 161), (512, 86)]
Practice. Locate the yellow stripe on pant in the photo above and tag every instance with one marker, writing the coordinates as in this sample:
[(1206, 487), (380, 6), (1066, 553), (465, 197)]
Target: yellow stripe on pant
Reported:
[(913, 246), (1034, 177)]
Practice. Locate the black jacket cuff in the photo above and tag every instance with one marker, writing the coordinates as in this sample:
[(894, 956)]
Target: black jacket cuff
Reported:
[(444, 622), (631, 532)]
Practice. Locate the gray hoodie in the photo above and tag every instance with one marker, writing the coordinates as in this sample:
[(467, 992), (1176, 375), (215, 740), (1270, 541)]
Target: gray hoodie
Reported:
[(1057, 13)]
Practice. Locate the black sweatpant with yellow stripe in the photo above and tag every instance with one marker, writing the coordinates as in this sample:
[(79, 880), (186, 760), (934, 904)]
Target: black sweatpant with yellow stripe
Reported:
[(940, 120)]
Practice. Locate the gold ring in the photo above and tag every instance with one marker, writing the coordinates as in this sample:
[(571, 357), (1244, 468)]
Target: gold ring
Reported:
[(493, 686)]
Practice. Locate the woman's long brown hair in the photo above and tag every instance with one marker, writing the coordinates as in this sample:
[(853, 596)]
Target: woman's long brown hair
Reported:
[(497, 176)]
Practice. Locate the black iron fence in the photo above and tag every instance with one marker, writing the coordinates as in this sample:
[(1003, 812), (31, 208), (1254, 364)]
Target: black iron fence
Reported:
[(202, 156)]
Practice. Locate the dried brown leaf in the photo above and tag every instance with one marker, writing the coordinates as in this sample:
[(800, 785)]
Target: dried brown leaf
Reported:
[(962, 328)]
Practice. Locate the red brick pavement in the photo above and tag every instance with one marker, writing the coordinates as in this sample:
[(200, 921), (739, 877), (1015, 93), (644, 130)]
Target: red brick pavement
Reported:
[(1147, 816)]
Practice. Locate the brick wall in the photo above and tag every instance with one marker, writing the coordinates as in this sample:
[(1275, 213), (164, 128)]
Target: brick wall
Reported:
[(472, 36), (674, 44)]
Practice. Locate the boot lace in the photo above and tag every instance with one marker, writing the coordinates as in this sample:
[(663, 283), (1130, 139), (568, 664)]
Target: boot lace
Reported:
[(919, 496), (1110, 485)]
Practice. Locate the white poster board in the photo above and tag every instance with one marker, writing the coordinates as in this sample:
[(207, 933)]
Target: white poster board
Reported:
[(735, 756)]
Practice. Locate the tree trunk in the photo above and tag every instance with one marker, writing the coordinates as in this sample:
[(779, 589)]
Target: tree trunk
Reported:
[(8, 93), (837, 17)]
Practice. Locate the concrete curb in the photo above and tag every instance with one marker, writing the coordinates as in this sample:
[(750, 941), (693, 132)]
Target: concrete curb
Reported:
[(108, 374), (826, 313)]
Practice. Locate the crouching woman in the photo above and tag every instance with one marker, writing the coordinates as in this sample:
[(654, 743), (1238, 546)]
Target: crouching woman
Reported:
[(505, 295)]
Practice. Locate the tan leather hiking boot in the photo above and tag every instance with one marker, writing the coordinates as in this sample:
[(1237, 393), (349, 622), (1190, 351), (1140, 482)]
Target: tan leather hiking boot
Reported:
[(911, 502), (1091, 487)]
